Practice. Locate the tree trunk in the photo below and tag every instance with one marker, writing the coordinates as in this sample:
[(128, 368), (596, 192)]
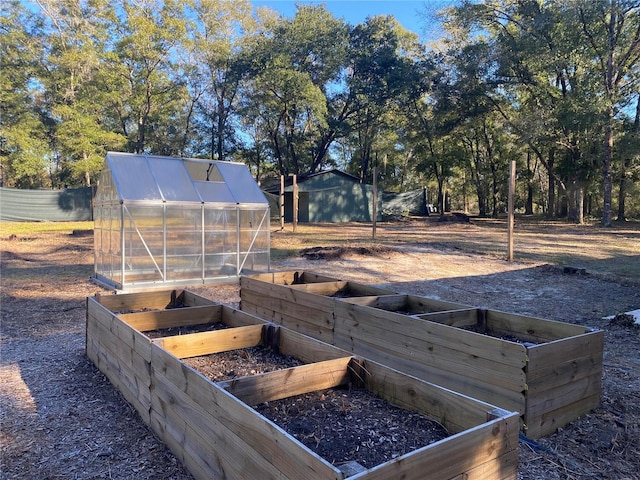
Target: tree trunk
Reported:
[(606, 172), (440, 195), (495, 191), (575, 203), (528, 207), (551, 211), (622, 190)]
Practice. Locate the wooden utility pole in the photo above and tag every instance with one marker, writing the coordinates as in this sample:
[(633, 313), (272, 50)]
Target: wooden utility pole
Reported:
[(295, 202), (375, 200), (281, 202), (512, 190)]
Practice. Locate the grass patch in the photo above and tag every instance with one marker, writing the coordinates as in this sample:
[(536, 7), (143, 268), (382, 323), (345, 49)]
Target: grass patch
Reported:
[(30, 228)]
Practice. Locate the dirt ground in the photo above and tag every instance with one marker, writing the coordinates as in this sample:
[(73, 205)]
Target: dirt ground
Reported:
[(61, 419)]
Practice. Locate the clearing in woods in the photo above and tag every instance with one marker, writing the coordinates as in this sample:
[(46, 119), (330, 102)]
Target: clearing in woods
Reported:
[(60, 418)]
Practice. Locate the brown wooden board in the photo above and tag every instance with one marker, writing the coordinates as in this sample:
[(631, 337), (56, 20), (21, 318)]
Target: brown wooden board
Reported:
[(292, 277), (206, 343), (407, 304), (533, 329), (159, 319), (342, 289), (564, 381), (540, 425), (152, 300), (122, 354), (485, 452), (292, 381), (304, 312), (453, 318)]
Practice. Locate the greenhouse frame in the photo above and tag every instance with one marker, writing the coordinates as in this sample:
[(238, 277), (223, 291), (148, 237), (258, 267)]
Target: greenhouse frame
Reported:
[(163, 221)]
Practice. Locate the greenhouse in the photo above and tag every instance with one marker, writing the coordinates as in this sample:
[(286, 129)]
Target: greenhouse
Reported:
[(163, 221)]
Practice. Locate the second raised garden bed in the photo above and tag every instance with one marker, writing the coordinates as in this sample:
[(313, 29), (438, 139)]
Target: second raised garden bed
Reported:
[(548, 371)]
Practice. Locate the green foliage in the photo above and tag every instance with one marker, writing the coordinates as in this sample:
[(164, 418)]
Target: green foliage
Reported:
[(550, 84)]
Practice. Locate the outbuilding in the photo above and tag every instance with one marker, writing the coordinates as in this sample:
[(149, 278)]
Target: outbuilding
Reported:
[(329, 196), (163, 221)]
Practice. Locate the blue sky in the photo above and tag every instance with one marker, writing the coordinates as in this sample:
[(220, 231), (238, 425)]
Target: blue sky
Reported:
[(410, 13)]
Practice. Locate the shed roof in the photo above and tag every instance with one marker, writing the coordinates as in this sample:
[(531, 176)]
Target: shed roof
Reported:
[(288, 181), (140, 177)]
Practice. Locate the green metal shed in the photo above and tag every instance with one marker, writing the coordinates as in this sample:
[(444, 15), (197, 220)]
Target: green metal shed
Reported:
[(330, 196)]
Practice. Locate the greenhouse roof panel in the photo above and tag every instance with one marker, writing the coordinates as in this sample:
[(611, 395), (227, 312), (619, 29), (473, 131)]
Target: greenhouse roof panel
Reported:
[(132, 177), (215, 192), (242, 185), (173, 179), (157, 178)]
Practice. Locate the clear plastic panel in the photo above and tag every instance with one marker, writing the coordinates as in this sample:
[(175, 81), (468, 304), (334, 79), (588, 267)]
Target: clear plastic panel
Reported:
[(133, 177), (143, 243), (200, 170), (220, 242), (184, 242), (173, 179), (241, 183), (215, 192)]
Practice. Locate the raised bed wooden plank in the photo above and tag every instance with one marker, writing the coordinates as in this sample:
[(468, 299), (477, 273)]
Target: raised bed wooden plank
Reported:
[(292, 277), (156, 300), (467, 317), (407, 304), (122, 378), (306, 348), (200, 437), (379, 326), (294, 313), (233, 317), (549, 421), (491, 444), (290, 381), (566, 372), (159, 319), (264, 438), (437, 355), (121, 352), (564, 395), (341, 289), (454, 411), (98, 314), (507, 399), (532, 329), (206, 343), (544, 358)]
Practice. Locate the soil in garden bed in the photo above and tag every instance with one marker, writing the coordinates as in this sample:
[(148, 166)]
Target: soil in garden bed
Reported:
[(243, 362), (185, 329), (344, 425), (502, 336)]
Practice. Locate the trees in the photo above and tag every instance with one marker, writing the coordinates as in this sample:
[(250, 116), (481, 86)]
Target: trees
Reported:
[(563, 67), (611, 29), (78, 34), (553, 84), (294, 70), (143, 69), (24, 152), (383, 77), (215, 70)]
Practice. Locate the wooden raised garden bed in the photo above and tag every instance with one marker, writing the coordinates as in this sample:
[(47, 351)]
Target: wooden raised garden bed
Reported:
[(548, 371), (234, 427), (120, 329)]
